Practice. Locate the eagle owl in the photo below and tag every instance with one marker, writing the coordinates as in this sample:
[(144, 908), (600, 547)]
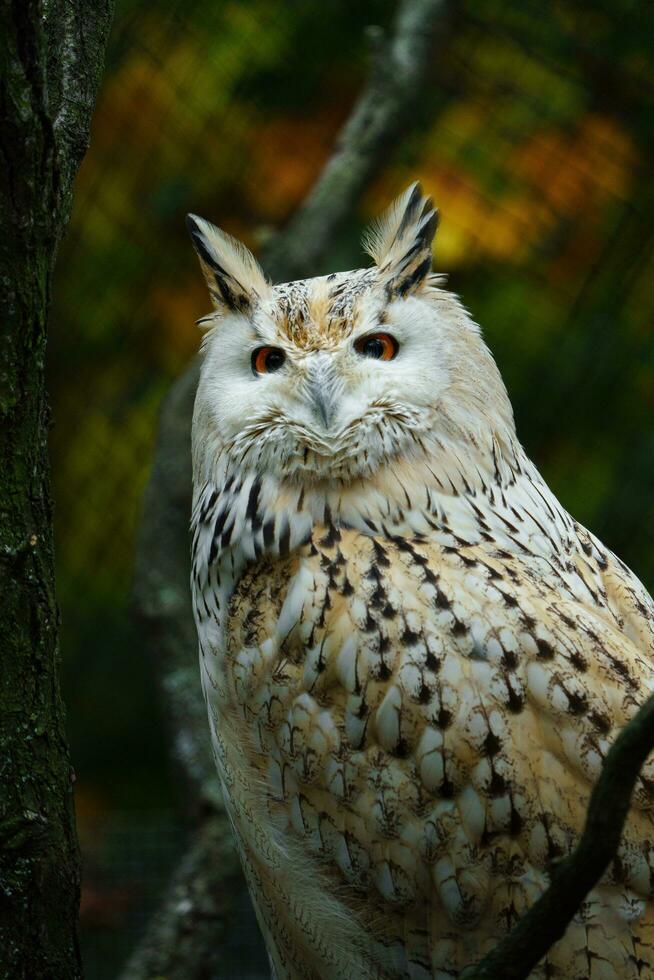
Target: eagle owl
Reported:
[(414, 659)]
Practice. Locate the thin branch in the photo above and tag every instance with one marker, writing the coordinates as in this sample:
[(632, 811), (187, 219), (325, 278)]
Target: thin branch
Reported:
[(572, 878), (161, 594)]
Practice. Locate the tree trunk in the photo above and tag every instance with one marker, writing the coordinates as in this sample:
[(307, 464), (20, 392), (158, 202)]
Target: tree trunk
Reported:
[(51, 61)]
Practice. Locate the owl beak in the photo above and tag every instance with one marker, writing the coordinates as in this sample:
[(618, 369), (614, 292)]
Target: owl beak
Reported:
[(322, 408), (321, 391)]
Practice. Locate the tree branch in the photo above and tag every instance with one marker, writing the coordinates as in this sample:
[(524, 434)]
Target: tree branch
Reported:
[(572, 878), (380, 113), (161, 596), (161, 593)]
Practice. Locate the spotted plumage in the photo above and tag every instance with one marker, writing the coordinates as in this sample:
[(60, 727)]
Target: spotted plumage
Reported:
[(414, 659)]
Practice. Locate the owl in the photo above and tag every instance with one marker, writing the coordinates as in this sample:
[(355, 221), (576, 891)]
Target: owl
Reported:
[(414, 659)]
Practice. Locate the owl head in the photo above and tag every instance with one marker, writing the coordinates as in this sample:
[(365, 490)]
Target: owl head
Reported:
[(332, 378)]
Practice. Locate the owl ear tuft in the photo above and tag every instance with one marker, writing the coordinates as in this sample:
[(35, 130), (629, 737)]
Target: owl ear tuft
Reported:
[(400, 241), (233, 275)]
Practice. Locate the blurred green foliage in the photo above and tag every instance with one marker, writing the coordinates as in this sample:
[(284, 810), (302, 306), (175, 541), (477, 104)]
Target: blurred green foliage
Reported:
[(535, 135)]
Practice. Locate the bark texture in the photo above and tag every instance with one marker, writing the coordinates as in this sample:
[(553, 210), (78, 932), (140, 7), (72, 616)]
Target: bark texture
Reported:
[(51, 59)]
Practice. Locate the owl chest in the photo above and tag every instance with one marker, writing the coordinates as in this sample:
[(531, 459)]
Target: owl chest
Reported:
[(357, 642), (375, 682)]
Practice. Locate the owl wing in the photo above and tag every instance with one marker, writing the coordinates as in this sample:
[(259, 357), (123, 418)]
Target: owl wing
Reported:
[(424, 727), (627, 598)]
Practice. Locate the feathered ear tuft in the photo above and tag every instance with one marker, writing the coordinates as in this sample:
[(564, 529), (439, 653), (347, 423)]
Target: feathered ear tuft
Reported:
[(400, 241), (233, 275)]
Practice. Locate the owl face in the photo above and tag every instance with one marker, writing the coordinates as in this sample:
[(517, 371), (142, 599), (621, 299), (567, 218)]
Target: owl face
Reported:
[(329, 379)]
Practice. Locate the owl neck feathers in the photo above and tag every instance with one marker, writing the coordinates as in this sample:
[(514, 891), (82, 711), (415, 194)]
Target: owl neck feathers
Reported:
[(457, 495)]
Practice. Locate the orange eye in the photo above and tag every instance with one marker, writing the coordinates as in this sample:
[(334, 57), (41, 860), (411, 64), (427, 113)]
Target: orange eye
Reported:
[(381, 346), (265, 360)]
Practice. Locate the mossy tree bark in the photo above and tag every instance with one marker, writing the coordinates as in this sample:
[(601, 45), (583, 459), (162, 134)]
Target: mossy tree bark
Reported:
[(51, 59)]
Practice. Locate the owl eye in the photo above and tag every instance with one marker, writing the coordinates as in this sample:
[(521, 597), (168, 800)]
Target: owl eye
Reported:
[(381, 346), (265, 360)]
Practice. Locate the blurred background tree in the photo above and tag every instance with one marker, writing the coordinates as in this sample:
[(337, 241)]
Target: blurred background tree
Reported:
[(534, 133)]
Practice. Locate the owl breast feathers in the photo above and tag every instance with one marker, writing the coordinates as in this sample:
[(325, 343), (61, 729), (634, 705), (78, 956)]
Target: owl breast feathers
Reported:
[(414, 659)]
